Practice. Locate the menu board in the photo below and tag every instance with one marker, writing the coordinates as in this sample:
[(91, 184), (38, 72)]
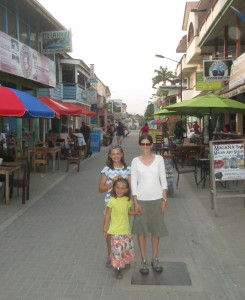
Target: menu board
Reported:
[(228, 161), (154, 132)]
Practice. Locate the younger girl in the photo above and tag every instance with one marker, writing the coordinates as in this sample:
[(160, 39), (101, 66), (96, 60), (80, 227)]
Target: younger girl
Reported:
[(115, 168), (118, 209)]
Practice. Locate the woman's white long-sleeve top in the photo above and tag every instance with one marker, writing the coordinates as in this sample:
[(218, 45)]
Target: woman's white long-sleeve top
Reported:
[(148, 182)]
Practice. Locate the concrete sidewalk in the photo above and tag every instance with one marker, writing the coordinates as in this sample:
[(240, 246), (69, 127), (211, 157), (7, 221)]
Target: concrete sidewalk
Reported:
[(53, 247)]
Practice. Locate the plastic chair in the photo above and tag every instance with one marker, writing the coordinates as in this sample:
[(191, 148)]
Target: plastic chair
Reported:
[(74, 159), (23, 183), (184, 171)]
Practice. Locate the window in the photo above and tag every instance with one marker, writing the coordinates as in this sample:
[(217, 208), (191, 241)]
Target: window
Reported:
[(12, 25), (1, 18), (68, 74), (23, 32), (190, 32)]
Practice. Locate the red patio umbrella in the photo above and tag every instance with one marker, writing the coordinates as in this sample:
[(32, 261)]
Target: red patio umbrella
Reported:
[(60, 107), (64, 108), (86, 111), (15, 103)]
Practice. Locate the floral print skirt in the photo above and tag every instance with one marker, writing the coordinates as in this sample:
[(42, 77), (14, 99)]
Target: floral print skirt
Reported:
[(122, 248)]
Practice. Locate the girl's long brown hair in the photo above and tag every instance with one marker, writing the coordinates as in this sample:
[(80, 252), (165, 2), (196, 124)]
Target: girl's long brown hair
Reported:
[(109, 162), (122, 180)]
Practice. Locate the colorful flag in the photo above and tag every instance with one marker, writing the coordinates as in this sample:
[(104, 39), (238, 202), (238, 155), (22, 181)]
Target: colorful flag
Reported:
[(239, 14)]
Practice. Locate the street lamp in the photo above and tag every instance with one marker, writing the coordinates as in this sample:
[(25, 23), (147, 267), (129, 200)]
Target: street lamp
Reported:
[(181, 78)]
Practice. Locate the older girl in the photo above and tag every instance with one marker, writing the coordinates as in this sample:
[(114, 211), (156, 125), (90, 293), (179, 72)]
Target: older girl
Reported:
[(115, 168)]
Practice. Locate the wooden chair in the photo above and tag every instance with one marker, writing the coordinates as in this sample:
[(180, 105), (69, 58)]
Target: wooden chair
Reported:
[(23, 183), (74, 159), (184, 171), (40, 157), (40, 144), (19, 154), (192, 155), (159, 144)]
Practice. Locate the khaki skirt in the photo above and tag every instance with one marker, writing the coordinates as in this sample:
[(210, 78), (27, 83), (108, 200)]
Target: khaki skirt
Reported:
[(151, 219)]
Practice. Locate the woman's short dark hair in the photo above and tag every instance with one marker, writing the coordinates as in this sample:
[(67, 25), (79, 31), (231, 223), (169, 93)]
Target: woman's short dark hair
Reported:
[(123, 180), (146, 136)]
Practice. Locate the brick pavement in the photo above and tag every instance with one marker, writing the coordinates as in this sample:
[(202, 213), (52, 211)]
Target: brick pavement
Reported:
[(53, 247)]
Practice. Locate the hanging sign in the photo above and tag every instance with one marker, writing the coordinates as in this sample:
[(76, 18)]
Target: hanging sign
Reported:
[(56, 41), (217, 70)]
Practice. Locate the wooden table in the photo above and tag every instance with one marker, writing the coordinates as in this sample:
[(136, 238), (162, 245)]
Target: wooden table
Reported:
[(7, 170), (52, 151), (184, 149)]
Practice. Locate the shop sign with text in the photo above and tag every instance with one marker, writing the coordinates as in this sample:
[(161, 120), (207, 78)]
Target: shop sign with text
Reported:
[(19, 59), (56, 41), (217, 70)]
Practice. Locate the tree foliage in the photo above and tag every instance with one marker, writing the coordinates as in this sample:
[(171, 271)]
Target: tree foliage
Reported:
[(149, 111), (164, 75)]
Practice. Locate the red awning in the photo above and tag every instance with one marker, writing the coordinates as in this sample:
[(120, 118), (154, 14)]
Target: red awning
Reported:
[(68, 109), (61, 107), (86, 111)]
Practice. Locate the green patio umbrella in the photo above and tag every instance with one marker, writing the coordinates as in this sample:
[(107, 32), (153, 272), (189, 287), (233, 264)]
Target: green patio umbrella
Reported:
[(164, 111), (209, 104)]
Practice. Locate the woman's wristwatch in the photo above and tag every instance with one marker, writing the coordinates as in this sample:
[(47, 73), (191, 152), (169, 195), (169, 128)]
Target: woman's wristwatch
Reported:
[(164, 200)]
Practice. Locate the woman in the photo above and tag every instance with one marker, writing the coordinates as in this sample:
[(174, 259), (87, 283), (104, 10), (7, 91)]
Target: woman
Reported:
[(149, 190)]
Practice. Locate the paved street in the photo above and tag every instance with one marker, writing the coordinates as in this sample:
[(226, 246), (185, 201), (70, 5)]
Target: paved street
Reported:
[(53, 248)]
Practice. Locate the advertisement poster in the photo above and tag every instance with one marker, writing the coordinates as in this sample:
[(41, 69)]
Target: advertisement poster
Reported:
[(19, 59), (116, 106), (217, 70), (154, 132), (229, 162), (56, 41), (206, 85), (237, 72)]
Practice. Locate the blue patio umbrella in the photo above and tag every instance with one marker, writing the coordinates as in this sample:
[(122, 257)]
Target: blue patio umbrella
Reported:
[(15, 103)]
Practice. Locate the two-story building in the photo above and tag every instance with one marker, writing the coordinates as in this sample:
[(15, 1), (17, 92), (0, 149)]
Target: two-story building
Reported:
[(56, 75), (214, 32)]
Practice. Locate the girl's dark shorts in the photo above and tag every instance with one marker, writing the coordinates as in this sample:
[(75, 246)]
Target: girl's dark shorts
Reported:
[(151, 219)]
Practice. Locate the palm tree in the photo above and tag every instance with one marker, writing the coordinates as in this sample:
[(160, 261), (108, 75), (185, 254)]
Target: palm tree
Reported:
[(164, 75)]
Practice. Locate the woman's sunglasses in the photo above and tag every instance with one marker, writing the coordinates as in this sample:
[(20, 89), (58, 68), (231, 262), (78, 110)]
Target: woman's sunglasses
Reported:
[(145, 144)]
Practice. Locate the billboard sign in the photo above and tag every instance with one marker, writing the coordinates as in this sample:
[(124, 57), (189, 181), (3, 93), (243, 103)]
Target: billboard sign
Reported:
[(206, 85), (56, 41), (228, 162), (237, 72), (19, 59), (217, 70), (116, 106)]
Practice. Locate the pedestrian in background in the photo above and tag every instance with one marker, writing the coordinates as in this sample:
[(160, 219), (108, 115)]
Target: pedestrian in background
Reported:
[(115, 168), (86, 131), (117, 215), (110, 131), (120, 133), (144, 129), (149, 191)]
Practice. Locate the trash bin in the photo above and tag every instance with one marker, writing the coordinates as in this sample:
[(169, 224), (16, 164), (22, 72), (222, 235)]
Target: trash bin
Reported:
[(95, 137)]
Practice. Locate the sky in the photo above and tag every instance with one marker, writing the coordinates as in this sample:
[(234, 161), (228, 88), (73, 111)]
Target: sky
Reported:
[(121, 38)]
